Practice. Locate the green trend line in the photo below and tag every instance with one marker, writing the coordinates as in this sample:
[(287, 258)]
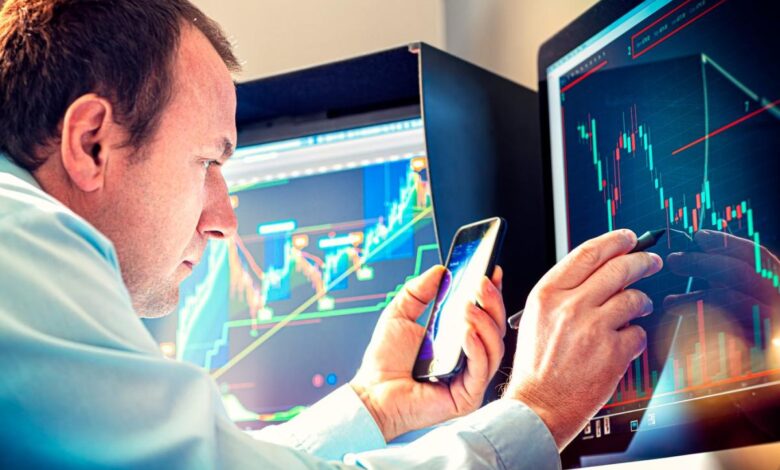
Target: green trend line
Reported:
[(299, 311)]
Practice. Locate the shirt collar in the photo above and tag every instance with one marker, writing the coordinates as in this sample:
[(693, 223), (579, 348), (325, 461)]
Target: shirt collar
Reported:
[(9, 166)]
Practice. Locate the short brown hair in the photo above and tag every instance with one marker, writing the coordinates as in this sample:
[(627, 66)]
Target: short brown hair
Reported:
[(53, 51)]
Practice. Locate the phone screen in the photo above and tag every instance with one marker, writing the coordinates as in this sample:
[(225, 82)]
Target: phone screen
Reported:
[(470, 258)]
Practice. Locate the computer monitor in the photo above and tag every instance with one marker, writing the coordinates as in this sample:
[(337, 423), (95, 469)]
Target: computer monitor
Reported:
[(665, 114), (330, 225)]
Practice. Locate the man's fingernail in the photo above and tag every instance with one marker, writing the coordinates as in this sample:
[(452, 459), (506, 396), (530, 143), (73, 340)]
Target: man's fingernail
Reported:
[(657, 261)]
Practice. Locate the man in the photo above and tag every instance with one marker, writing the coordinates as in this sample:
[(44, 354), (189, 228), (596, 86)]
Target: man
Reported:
[(116, 118)]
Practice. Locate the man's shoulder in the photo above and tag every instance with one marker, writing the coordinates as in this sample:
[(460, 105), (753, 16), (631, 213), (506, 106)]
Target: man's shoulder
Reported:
[(26, 208), (19, 196)]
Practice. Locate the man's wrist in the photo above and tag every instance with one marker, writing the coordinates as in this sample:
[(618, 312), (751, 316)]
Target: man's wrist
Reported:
[(363, 392), (544, 410)]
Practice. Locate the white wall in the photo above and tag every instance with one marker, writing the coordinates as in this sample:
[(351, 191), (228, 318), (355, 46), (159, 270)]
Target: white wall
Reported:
[(504, 35), (274, 36)]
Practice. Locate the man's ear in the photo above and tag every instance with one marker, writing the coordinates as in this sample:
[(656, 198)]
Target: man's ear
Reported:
[(86, 133)]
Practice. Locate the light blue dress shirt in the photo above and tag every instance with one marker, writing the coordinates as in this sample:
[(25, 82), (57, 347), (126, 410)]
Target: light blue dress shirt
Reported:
[(83, 384)]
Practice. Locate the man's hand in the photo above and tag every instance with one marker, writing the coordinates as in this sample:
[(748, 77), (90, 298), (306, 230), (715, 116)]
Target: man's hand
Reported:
[(575, 341), (384, 382), (728, 263)]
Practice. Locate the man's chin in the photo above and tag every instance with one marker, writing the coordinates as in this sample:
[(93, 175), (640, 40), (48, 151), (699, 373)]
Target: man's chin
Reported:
[(156, 304)]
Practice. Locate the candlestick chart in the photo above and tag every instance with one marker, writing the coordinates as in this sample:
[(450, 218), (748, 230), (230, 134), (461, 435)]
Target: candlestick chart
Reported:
[(696, 193), (688, 143), (281, 313)]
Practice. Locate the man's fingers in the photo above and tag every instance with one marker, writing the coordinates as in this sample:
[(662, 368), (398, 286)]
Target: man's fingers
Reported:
[(498, 278), (491, 301), (415, 295), (618, 273), (627, 305), (721, 299), (711, 241), (490, 333), (632, 341), (477, 373), (724, 271), (584, 260)]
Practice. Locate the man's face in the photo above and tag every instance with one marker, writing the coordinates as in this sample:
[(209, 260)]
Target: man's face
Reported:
[(165, 205)]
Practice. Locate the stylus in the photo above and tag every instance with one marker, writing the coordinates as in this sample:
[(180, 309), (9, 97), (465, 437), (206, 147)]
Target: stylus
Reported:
[(645, 241)]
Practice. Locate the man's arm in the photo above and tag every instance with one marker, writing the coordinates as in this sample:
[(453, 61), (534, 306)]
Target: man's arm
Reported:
[(85, 384), (334, 426), (576, 340)]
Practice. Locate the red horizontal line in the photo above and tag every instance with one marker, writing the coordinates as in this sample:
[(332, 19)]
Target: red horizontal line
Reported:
[(677, 30), (670, 12), (727, 126), (700, 387), (583, 77)]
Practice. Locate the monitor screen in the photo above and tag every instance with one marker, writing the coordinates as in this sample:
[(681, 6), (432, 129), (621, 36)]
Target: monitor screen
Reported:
[(669, 118), (329, 227)]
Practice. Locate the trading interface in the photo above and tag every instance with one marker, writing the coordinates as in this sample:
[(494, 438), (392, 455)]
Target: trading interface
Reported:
[(670, 119), (330, 227)]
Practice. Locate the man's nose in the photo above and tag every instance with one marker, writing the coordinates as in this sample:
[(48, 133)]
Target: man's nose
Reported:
[(218, 219)]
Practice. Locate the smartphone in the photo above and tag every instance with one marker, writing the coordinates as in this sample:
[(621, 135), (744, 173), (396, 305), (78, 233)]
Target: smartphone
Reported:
[(473, 254)]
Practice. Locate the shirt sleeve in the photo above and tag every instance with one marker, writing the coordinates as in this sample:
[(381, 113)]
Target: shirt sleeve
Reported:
[(505, 434), (336, 425)]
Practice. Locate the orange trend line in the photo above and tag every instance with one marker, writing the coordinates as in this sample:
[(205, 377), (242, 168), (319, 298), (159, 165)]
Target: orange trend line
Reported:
[(250, 259)]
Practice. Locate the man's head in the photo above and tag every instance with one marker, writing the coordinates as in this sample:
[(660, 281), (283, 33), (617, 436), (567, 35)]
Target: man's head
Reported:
[(124, 110)]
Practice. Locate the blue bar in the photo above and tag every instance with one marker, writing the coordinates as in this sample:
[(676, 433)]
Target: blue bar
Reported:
[(639, 391), (662, 198), (595, 148), (277, 227), (757, 251), (345, 240)]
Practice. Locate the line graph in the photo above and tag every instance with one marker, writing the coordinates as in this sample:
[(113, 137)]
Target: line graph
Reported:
[(296, 313), (287, 319), (319, 272)]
